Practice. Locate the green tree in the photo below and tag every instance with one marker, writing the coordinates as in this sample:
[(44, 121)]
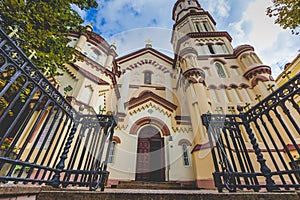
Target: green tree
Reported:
[(287, 13), (42, 26)]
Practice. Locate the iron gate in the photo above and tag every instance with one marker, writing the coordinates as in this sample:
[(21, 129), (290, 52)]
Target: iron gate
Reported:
[(42, 138), (258, 149)]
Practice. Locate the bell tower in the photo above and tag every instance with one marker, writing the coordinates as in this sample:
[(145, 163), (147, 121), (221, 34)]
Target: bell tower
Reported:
[(193, 22), (212, 75)]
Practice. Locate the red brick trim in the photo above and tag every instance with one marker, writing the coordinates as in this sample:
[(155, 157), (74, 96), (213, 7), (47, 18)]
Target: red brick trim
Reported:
[(244, 85), (255, 80), (149, 121), (117, 139), (205, 184), (217, 60), (241, 49), (253, 71), (198, 147)]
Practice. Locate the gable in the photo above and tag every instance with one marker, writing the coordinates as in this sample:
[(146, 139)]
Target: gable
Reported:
[(150, 96), (145, 51)]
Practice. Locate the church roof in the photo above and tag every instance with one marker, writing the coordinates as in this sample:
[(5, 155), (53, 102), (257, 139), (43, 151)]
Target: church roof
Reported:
[(143, 51)]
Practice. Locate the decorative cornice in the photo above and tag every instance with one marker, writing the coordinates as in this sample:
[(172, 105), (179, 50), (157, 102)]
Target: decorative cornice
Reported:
[(94, 39), (194, 14), (253, 71), (255, 80), (147, 61), (89, 75), (150, 96), (242, 49), (188, 50), (206, 34), (182, 129), (152, 105), (194, 75)]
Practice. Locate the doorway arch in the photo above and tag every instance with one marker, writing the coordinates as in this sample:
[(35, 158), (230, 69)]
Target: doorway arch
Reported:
[(150, 165)]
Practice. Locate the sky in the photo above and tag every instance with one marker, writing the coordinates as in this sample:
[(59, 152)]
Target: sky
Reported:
[(129, 23)]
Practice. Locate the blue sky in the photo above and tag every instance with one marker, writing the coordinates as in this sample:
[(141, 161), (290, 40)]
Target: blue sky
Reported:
[(130, 22)]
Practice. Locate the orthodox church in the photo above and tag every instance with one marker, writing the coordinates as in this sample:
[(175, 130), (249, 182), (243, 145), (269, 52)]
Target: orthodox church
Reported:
[(159, 99)]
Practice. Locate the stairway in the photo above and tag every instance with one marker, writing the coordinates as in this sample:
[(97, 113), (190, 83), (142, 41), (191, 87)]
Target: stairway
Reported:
[(37, 192), (151, 185)]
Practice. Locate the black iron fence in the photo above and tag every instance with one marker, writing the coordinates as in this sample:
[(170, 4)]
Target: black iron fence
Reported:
[(42, 138), (259, 149)]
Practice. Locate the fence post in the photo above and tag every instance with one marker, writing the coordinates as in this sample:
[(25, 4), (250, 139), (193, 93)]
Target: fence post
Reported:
[(265, 170), (61, 165)]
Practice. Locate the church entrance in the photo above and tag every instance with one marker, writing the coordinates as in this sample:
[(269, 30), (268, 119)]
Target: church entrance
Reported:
[(150, 155)]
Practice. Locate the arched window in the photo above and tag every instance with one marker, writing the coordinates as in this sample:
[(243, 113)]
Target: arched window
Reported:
[(147, 77), (112, 151), (185, 155), (220, 70)]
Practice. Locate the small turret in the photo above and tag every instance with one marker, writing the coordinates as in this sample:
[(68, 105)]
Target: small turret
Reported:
[(83, 38)]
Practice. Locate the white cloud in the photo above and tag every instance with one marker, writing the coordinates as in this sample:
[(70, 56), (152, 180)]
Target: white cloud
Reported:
[(245, 21), (274, 45), (220, 8), (134, 39), (123, 15)]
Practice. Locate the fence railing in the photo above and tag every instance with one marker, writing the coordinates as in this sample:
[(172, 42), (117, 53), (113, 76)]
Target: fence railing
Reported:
[(259, 149), (42, 138)]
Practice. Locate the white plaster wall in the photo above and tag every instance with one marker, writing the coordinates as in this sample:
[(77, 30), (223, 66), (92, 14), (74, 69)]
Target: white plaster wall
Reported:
[(124, 166)]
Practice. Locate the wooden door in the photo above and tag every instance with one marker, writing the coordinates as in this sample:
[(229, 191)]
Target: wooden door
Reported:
[(143, 160), (157, 172), (150, 156)]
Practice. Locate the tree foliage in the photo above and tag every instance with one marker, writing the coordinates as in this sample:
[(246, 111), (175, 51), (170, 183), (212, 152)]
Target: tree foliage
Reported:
[(287, 13), (42, 26)]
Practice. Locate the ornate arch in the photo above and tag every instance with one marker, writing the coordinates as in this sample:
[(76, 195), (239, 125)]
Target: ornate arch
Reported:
[(149, 121), (184, 141), (117, 139), (218, 60)]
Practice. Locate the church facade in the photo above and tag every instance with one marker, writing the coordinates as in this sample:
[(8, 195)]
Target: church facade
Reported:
[(159, 100)]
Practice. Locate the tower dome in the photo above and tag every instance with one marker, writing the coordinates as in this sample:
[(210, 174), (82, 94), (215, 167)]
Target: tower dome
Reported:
[(182, 7)]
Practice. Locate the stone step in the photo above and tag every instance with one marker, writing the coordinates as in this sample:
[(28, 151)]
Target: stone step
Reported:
[(141, 194), (48, 193), (148, 185)]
